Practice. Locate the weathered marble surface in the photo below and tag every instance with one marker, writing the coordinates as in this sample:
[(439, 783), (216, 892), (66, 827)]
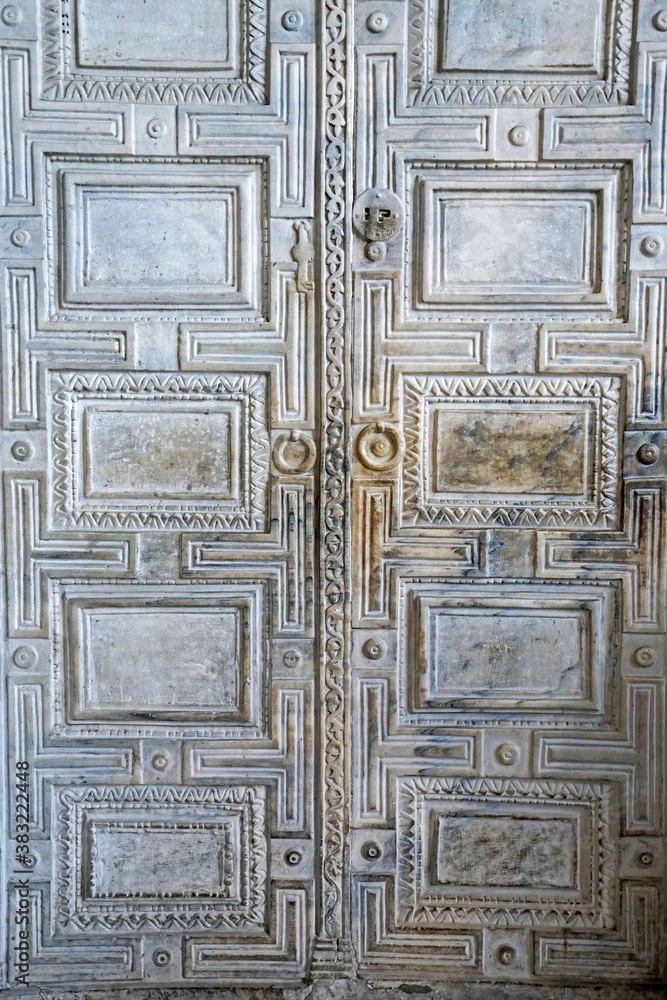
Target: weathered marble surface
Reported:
[(335, 461)]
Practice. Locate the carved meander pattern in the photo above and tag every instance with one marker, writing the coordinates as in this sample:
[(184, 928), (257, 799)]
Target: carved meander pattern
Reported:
[(334, 486)]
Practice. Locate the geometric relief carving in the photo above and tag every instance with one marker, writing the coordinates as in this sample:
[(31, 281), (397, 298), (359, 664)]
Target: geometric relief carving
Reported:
[(144, 656), (576, 52), (167, 857), (169, 451), (505, 852), (513, 450), (539, 239), (114, 50), (382, 945), (155, 234), (633, 953), (509, 648), (33, 557), (636, 556)]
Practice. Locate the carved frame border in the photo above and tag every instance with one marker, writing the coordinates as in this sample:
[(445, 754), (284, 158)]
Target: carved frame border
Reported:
[(60, 83)]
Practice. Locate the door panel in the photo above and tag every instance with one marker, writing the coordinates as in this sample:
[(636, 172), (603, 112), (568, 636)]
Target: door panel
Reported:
[(160, 412), (333, 443), (508, 592)]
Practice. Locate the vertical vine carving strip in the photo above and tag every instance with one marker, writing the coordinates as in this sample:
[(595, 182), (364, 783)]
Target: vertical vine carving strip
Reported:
[(334, 465)]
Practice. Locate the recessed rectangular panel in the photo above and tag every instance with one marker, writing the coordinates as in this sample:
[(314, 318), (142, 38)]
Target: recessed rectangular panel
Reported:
[(153, 34), (505, 851), (513, 242), (512, 449), (161, 660), (139, 237), (509, 652), (149, 451), (160, 657), (160, 859), (530, 36), (156, 239), (516, 241)]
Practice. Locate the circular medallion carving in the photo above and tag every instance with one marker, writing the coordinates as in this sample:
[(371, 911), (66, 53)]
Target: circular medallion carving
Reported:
[(20, 237), (644, 858), (374, 649), (519, 135), (21, 451), (292, 658), (377, 22), (507, 754), (160, 762), (648, 454), (156, 128), (644, 656), (293, 858), (161, 957), (371, 851), (505, 954), (380, 447), (294, 453), (11, 15), (292, 20), (660, 21), (651, 246), (25, 657), (376, 250)]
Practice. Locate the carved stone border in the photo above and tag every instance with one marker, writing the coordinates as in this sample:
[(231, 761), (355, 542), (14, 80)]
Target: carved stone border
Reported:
[(61, 83), (330, 952)]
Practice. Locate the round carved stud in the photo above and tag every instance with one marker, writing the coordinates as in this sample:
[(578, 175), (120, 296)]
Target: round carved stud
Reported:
[(651, 246), (505, 954), (374, 649), (293, 858), (519, 135), (377, 215), (371, 851), (377, 22), (648, 454), (25, 657), (660, 21), (292, 20), (20, 237), (291, 657), (11, 14), (644, 858), (380, 447), (294, 453), (161, 956), (160, 761), (156, 128), (644, 656), (21, 451), (507, 754), (377, 250)]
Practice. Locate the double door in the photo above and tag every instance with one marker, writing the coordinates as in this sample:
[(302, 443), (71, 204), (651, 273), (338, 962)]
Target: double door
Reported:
[(335, 458)]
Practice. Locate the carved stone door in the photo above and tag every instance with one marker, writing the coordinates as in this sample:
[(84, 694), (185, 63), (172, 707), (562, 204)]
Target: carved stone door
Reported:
[(334, 472), (508, 589)]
